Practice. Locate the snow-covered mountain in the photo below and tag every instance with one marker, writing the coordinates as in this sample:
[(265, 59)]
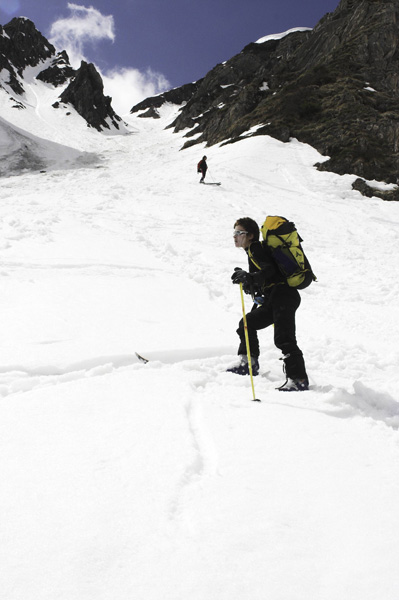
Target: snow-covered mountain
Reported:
[(32, 136), (38, 130), (164, 481), (40, 84), (333, 87)]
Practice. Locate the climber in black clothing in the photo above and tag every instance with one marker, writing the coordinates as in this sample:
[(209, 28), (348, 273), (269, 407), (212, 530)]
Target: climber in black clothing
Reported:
[(202, 167), (275, 304)]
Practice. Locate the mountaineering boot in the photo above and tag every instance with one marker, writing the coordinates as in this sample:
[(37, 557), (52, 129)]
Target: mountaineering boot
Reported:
[(294, 385), (295, 372), (243, 368)]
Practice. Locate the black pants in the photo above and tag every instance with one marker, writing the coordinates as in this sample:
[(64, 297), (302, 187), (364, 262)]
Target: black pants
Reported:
[(279, 309)]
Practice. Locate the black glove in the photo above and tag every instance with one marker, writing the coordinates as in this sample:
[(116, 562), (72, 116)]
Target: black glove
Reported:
[(241, 276)]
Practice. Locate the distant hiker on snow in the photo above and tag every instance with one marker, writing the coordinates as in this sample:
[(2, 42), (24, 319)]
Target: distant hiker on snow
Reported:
[(276, 302), (202, 167)]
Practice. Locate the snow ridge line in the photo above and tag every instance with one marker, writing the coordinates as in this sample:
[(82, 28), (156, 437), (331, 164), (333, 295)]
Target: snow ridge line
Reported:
[(366, 402), (363, 402), (76, 266), (16, 378)]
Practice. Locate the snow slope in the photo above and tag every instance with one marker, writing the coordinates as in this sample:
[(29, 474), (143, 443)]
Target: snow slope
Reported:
[(21, 152), (165, 481)]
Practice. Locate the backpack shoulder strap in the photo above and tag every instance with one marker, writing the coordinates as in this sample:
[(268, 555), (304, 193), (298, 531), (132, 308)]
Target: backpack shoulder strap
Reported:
[(252, 259), (257, 257)]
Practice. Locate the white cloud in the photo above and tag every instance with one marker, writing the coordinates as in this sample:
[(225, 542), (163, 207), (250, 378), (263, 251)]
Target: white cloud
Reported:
[(83, 26), (129, 86)]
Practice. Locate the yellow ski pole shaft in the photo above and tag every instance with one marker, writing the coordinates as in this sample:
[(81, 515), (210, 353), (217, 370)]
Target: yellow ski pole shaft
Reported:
[(244, 318)]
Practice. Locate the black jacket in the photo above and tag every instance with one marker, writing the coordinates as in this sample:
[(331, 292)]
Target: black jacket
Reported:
[(202, 166), (268, 275)]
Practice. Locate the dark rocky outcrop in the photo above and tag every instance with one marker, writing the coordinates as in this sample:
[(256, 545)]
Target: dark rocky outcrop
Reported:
[(21, 46), (152, 113), (178, 96), (86, 94), (369, 191), (335, 87)]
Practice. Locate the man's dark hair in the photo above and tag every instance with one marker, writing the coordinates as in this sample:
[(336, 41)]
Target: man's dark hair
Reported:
[(249, 225)]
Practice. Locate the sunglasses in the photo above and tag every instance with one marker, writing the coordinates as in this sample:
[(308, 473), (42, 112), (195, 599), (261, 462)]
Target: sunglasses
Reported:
[(236, 233)]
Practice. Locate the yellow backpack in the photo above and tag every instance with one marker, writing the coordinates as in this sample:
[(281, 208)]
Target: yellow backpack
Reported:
[(284, 242)]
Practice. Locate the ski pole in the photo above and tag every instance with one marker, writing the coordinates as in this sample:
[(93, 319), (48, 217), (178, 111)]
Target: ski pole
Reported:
[(244, 318)]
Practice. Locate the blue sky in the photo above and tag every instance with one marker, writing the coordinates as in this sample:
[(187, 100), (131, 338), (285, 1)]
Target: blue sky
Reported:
[(159, 43)]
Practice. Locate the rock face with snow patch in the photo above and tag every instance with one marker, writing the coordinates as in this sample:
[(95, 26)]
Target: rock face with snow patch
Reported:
[(86, 94), (335, 87), (22, 46), (59, 71)]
